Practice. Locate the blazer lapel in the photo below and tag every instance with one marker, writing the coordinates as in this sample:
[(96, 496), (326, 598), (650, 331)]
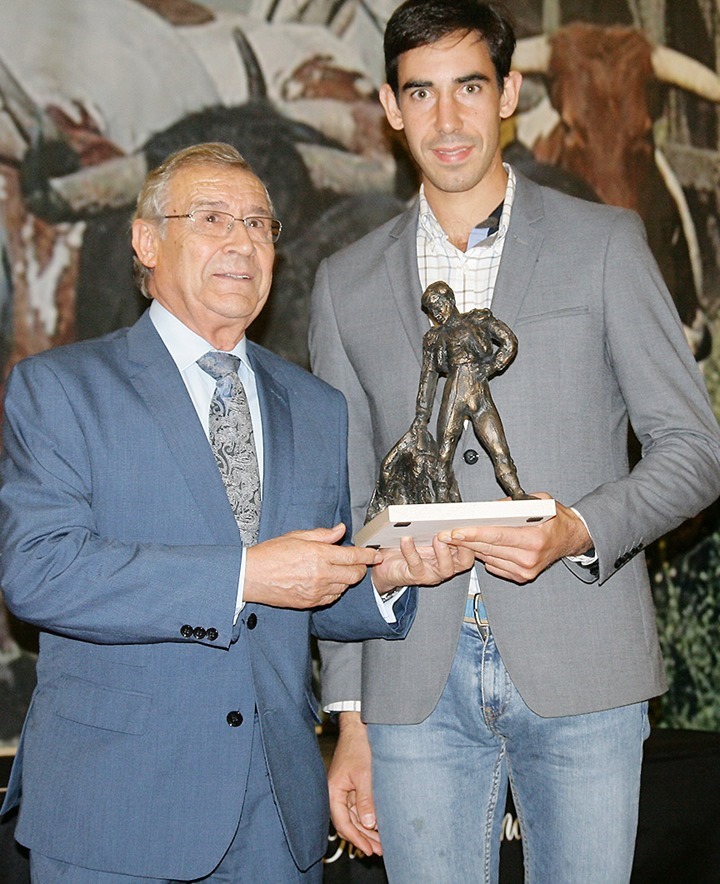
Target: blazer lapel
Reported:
[(157, 380), (277, 433), (405, 286), (520, 254)]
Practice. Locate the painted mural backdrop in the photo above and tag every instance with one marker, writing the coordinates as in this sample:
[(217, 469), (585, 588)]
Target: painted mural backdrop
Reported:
[(620, 104)]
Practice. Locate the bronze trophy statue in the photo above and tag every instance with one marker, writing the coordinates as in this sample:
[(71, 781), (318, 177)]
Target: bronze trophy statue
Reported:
[(467, 349)]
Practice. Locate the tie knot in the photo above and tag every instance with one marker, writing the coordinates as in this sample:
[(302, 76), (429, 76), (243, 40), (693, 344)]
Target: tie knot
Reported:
[(219, 365)]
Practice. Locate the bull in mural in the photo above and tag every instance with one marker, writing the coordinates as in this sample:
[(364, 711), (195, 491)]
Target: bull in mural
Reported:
[(307, 172), (605, 86)]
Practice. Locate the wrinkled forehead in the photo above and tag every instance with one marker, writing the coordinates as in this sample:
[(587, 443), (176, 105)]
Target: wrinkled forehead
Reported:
[(217, 186)]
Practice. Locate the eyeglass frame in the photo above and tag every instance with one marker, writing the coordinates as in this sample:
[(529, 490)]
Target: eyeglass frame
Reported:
[(274, 237)]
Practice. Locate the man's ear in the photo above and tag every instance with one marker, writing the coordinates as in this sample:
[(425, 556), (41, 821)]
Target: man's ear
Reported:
[(510, 94), (145, 240), (390, 105)]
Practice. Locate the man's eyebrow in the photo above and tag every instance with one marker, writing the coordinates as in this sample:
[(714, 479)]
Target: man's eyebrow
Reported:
[(206, 203), (224, 206), (416, 84), (475, 77)]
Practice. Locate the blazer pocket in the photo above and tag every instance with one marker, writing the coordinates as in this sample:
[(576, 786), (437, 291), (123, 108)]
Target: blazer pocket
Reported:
[(553, 315), (312, 507), (312, 495), (95, 705)]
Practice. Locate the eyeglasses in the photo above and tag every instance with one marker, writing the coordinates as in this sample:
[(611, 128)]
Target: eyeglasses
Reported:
[(210, 222)]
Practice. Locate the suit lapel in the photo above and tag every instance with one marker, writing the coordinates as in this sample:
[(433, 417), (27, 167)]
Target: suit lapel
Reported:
[(278, 460), (521, 250), (158, 382), (405, 286)]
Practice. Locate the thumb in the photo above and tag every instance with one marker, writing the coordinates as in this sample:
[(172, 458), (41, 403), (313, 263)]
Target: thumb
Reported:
[(365, 808), (322, 535)]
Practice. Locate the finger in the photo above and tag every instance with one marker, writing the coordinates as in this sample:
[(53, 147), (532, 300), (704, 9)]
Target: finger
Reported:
[(444, 556), (412, 557), (321, 535), (352, 555), (367, 841)]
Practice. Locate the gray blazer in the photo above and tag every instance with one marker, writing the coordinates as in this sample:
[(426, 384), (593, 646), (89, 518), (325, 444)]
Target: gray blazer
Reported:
[(600, 346)]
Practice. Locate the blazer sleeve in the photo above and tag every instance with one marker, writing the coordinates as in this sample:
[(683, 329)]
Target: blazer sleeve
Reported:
[(355, 615), (667, 404), (57, 572), (341, 662)]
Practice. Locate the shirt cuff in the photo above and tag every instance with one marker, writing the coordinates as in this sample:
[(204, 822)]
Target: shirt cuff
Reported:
[(343, 706), (587, 558), (239, 603), (385, 605)]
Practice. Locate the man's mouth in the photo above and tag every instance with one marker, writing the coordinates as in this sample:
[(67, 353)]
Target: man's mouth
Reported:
[(234, 275), (451, 154)]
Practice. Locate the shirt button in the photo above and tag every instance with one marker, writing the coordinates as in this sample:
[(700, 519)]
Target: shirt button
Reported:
[(471, 456), (252, 621), (234, 719)]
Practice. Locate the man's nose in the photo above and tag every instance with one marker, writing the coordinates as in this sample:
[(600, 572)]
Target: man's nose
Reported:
[(448, 115), (238, 239)]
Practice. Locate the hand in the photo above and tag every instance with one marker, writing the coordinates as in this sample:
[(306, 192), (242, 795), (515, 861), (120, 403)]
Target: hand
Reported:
[(350, 786), (304, 569), (426, 566), (521, 553)]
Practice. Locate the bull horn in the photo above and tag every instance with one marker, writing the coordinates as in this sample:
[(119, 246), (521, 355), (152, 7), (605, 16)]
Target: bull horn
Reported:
[(29, 119), (688, 225), (256, 86), (677, 69), (344, 172), (532, 55), (109, 185)]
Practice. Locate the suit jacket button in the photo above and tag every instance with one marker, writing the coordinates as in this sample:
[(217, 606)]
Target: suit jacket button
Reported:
[(471, 456), (212, 634), (186, 631), (234, 719), (199, 632), (252, 621)]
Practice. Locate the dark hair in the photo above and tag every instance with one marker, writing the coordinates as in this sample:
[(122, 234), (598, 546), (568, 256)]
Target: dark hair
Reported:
[(421, 22)]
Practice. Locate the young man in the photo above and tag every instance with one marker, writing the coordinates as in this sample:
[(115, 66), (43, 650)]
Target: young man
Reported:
[(536, 670), (170, 512)]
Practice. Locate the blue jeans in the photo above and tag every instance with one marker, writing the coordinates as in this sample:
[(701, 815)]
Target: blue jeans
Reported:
[(440, 786)]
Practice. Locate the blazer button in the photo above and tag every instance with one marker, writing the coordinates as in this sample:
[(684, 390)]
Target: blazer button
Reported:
[(186, 631), (199, 632), (234, 719), (252, 621), (471, 456), (212, 634)]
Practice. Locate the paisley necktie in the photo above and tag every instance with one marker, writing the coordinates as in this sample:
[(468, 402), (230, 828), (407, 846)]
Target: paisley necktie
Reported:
[(233, 443)]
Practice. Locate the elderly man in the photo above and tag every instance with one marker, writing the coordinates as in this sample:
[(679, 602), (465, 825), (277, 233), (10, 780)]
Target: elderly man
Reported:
[(172, 501)]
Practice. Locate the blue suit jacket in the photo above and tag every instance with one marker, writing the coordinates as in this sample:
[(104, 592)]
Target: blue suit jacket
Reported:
[(116, 533)]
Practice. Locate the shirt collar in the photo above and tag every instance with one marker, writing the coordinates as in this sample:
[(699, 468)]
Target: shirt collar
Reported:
[(183, 344), (429, 223)]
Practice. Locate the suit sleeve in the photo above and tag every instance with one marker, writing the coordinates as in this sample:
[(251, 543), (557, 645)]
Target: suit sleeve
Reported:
[(355, 615), (342, 662), (57, 572), (667, 405)]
